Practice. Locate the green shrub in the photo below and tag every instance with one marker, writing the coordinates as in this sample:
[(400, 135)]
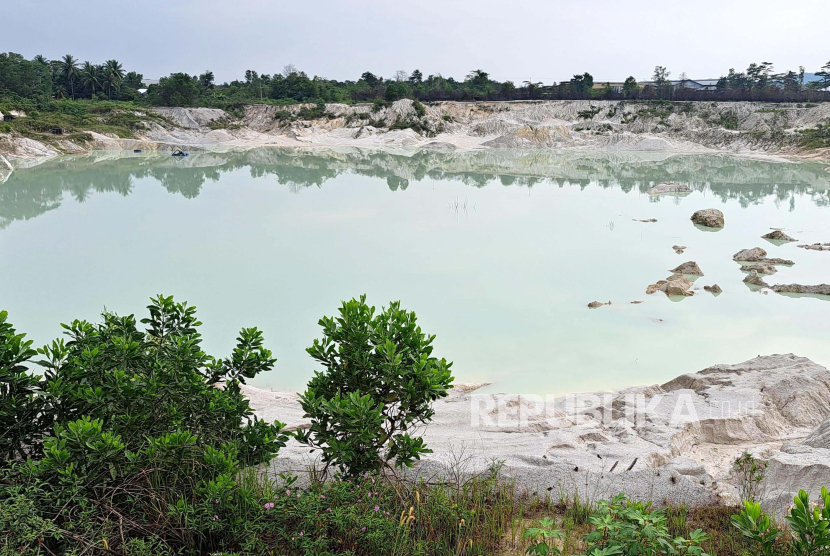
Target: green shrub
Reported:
[(420, 111), (621, 526), (539, 537), (810, 525), (750, 472), (757, 526), (141, 436), (378, 383)]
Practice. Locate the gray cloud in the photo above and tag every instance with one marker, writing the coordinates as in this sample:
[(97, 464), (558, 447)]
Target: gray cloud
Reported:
[(525, 39)]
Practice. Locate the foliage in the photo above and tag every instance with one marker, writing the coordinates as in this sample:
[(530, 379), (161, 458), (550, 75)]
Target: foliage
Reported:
[(621, 526), (749, 472), (810, 525), (140, 433), (377, 386), (179, 89), (817, 137), (540, 537), (757, 526)]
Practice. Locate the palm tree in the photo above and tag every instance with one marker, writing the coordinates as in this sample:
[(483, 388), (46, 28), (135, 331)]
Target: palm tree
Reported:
[(41, 59), (69, 67), (90, 76), (113, 75)]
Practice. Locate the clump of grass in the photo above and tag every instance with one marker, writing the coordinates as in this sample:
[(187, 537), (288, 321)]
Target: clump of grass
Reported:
[(817, 137)]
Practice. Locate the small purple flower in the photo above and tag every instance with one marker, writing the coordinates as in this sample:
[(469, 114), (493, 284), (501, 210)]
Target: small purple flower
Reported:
[(329, 510), (216, 518), (216, 501), (288, 492), (269, 506), (363, 530), (359, 500), (301, 533), (322, 497), (377, 508), (298, 495)]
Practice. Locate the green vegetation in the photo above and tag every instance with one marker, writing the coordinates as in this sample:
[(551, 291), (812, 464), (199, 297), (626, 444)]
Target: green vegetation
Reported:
[(377, 386), (817, 137), (136, 442), (67, 78), (51, 120)]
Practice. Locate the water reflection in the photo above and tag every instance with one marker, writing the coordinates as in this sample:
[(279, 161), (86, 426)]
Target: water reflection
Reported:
[(31, 192)]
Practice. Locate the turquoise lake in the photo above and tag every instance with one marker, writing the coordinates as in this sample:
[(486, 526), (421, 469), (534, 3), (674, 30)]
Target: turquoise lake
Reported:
[(498, 252)]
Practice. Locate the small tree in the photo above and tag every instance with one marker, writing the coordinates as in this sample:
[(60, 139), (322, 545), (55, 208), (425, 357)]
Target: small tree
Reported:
[(661, 75), (630, 86), (377, 386)]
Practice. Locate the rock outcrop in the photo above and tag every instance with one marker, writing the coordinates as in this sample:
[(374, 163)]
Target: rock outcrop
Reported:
[(673, 442), (817, 247), (750, 255), (674, 285), (758, 255), (679, 249), (710, 218), (689, 267), (761, 268), (778, 235), (714, 288), (596, 304), (820, 289), (755, 279)]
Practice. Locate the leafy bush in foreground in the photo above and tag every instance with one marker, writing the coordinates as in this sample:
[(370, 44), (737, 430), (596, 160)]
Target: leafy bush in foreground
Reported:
[(625, 527), (377, 386), (140, 434)]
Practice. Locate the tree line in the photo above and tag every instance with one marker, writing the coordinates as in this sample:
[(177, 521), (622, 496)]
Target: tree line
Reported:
[(68, 78)]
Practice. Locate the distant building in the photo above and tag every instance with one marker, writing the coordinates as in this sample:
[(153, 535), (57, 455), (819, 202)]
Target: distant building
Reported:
[(615, 86), (697, 84)]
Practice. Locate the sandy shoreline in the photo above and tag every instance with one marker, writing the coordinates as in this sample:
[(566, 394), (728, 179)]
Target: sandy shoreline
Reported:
[(671, 443), (448, 126)]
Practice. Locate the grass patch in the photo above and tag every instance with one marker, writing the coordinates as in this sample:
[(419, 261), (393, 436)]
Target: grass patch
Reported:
[(817, 137)]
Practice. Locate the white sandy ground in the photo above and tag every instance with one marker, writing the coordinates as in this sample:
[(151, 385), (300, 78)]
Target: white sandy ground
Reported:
[(582, 125), (668, 443)]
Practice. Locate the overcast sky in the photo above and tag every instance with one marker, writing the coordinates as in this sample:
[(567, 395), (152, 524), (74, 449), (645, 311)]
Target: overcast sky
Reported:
[(539, 40)]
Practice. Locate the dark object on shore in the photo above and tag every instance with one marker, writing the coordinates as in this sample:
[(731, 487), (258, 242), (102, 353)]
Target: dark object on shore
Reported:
[(633, 463), (595, 304), (179, 153), (137, 150)]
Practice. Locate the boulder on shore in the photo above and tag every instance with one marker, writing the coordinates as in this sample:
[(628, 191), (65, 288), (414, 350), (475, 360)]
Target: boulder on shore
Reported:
[(778, 235), (820, 289), (711, 218), (690, 268), (679, 249), (595, 304), (714, 288)]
